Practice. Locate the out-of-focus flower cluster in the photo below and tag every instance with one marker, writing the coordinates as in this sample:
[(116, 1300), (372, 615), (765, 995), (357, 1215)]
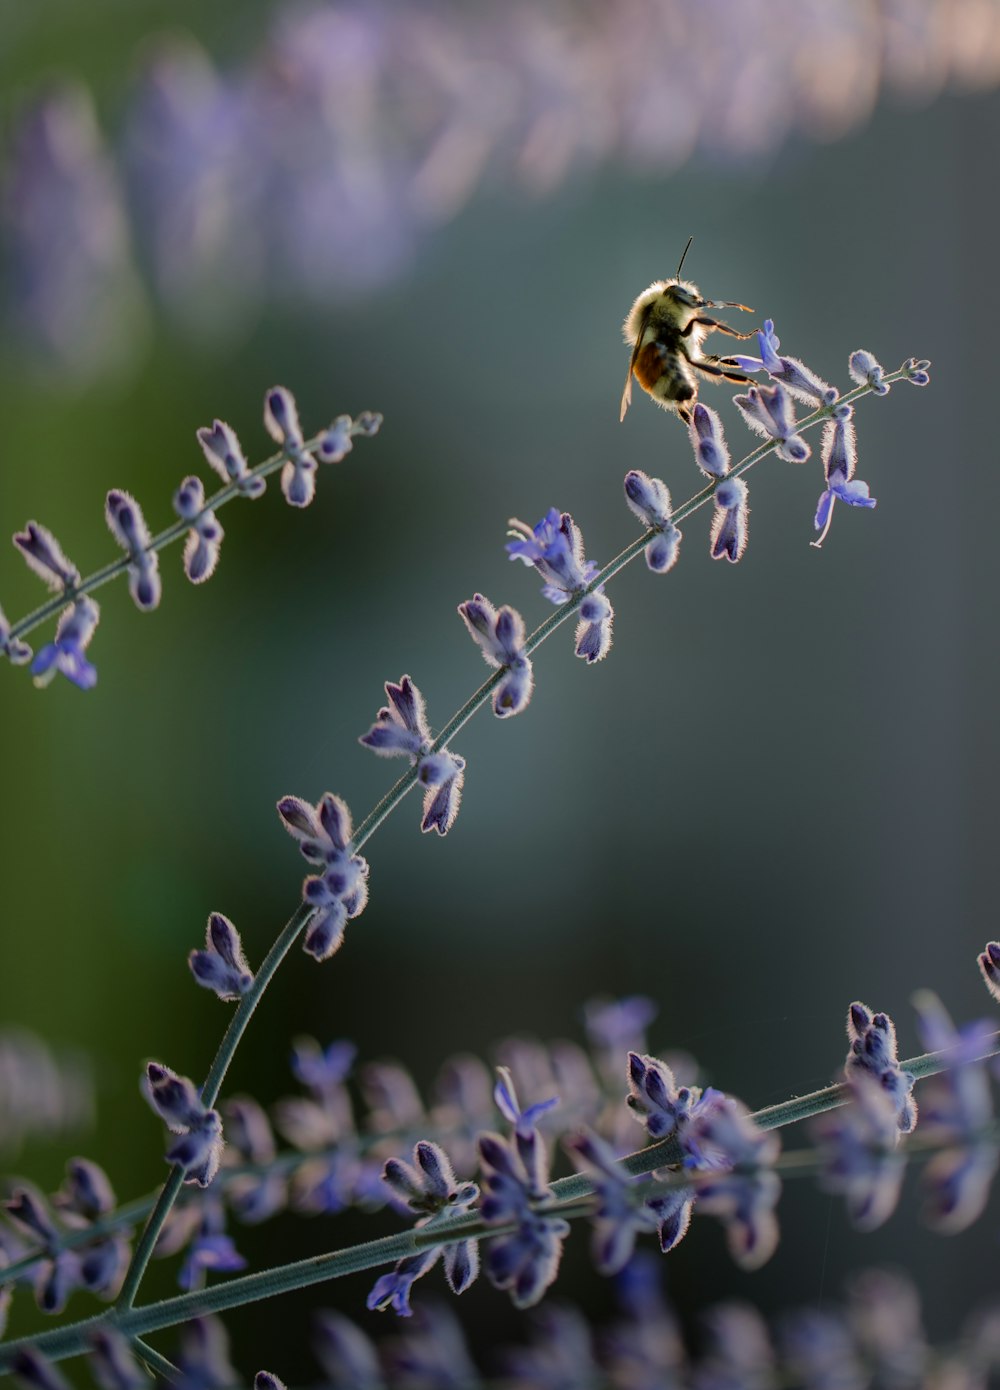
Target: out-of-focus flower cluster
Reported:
[(42, 1093), (315, 167)]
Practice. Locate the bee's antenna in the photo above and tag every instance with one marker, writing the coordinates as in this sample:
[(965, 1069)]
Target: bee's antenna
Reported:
[(681, 261)]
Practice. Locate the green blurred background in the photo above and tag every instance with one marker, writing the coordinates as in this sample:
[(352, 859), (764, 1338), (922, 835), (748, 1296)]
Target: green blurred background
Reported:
[(777, 794)]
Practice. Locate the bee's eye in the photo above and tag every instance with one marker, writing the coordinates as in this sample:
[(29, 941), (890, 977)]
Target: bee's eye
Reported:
[(684, 296)]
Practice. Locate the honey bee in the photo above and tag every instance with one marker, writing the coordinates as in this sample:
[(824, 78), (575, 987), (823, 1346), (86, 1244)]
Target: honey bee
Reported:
[(665, 329)]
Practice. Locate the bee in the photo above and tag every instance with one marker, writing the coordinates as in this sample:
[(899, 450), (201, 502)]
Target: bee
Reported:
[(665, 329)]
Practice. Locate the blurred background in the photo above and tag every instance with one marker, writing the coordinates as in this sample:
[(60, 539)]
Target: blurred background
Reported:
[(777, 794)]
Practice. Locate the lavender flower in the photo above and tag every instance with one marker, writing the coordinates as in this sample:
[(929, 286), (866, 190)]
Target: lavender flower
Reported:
[(657, 1101), (256, 1195), (128, 526), (649, 499), (176, 1100), (873, 1053), (210, 1248), (16, 651), (324, 834), (916, 371), (709, 442), (789, 371), (281, 418), (499, 633), (866, 371), (203, 1359), (222, 450), (515, 1187), (428, 1187), (401, 730), (44, 555), (858, 1146), (839, 460), (265, 1380), (728, 536), (768, 411), (201, 550), (620, 1214), (741, 1191), (65, 654), (58, 1274), (85, 1197), (555, 548), (222, 966), (593, 632), (347, 1356), (956, 1111)]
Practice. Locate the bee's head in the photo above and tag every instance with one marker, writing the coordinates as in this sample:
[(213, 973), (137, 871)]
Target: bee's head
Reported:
[(685, 293)]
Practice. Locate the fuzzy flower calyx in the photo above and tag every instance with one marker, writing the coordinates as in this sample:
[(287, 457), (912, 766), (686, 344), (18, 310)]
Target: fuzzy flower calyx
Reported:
[(176, 1100), (499, 634), (222, 966), (872, 1037), (555, 548), (340, 891), (649, 500), (401, 730), (128, 526)]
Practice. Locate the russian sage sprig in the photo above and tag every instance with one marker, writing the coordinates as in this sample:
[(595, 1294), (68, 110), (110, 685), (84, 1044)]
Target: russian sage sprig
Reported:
[(198, 525)]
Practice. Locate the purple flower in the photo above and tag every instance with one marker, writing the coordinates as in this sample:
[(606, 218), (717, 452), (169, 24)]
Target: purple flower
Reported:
[(44, 555), (499, 633), (428, 1187), (111, 1361), (728, 536), (222, 450), (858, 1146), (392, 1290), (265, 1380), (768, 411), (792, 373), (281, 419), (989, 966), (515, 1187), (866, 371), (203, 1359), (916, 371), (506, 1101), (741, 1189), (657, 1101), (340, 892), (253, 1196), (222, 966), (59, 1273), (347, 1356), (201, 550), (873, 1052), (620, 1214), (709, 442), (210, 1248), (65, 654), (839, 461), (401, 730), (956, 1112), (35, 1370), (176, 1100), (555, 548), (614, 1026), (16, 651), (649, 499), (593, 632), (128, 526)]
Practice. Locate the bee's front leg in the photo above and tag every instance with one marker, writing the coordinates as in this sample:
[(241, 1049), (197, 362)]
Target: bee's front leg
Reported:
[(716, 326), (722, 370)]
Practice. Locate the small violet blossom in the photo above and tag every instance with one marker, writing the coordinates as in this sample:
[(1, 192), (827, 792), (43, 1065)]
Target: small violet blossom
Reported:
[(728, 535), (956, 1111), (44, 555), (128, 526), (649, 499), (250, 1144), (621, 1214), (175, 1099), (340, 892), (222, 450), (768, 411), (59, 1273), (281, 419), (858, 1148), (709, 442), (429, 1188), (112, 1363), (499, 633), (789, 371), (210, 1248), (839, 453), (222, 966), (873, 1053), (65, 654), (201, 549), (515, 1187), (555, 548), (866, 371), (401, 730), (741, 1189)]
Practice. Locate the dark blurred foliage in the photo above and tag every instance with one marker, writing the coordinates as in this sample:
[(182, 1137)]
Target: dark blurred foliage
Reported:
[(776, 795)]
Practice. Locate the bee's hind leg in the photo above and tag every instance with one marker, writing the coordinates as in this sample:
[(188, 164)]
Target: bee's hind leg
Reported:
[(729, 374)]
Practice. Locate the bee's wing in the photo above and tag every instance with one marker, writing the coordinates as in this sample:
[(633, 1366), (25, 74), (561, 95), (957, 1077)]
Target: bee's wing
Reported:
[(627, 393)]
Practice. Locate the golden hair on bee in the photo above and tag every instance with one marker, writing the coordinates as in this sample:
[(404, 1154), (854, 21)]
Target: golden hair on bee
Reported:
[(665, 328)]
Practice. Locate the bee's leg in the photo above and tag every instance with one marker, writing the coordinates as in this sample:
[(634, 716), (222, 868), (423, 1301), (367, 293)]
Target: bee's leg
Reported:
[(717, 327), (723, 371)]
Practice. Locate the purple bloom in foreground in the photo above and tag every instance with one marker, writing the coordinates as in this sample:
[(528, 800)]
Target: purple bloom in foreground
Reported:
[(839, 455), (44, 555), (201, 550), (873, 1052), (515, 1187), (621, 1214), (555, 548), (210, 1248), (428, 1187), (709, 442), (33, 1369), (266, 1380), (916, 371), (401, 730), (506, 1101), (649, 499), (222, 450), (499, 633), (858, 1146), (768, 411), (340, 892), (203, 1359), (128, 526), (112, 1363), (793, 374), (728, 535), (866, 371), (741, 1190), (65, 654), (177, 1101), (222, 966)]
